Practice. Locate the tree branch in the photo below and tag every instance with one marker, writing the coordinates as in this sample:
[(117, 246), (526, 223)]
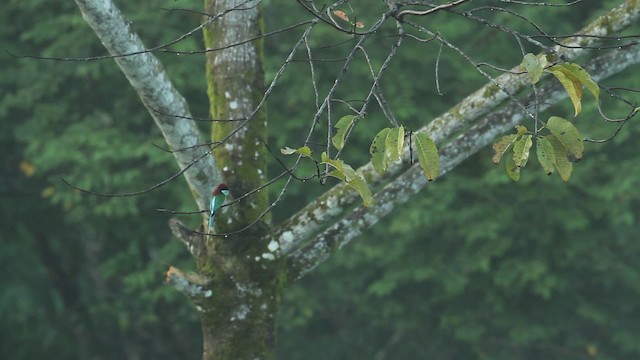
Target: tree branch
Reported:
[(194, 241), (160, 97), (328, 207), (195, 286), (463, 146)]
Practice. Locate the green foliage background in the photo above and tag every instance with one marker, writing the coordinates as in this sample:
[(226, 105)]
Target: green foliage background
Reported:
[(475, 267)]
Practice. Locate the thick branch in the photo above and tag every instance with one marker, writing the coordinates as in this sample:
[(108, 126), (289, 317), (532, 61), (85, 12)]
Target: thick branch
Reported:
[(328, 207), (409, 183), (160, 97)]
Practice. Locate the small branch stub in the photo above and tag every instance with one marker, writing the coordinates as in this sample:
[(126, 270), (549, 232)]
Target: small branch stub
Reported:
[(193, 241), (194, 286)]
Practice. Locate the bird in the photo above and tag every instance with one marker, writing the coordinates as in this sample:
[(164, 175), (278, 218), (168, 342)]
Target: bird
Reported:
[(218, 197)]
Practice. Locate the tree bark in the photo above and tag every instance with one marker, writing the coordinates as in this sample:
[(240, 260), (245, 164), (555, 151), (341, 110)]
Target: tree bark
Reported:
[(238, 322)]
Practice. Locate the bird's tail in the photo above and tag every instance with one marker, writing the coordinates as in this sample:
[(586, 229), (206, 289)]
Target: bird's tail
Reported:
[(211, 220)]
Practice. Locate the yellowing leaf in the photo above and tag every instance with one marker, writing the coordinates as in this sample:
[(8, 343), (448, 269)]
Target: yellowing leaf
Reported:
[(304, 151), (428, 156), (534, 66), (378, 153), (394, 144), (521, 150), (546, 155), (564, 166), (512, 169), (521, 130), (567, 134), (343, 126), (27, 168), (583, 76), (502, 146), (47, 192), (571, 85)]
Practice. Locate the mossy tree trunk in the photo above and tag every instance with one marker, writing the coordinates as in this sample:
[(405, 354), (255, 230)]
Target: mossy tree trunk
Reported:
[(239, 320)]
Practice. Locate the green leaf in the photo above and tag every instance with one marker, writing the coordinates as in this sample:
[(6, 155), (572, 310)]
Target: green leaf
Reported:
[(343, 126), (521, 150), (394, 144), (568, 135), (534, 66), (360, 185), (347, 174), (563, 164), (571, 84), (339, 166), (304, 151), (378, 153), (546, 155), (583, 76), (337, 174), (512, 169), (502, 146), (428, 156)]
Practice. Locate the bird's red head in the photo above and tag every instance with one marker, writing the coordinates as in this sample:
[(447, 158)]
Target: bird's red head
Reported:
[(219, 188)]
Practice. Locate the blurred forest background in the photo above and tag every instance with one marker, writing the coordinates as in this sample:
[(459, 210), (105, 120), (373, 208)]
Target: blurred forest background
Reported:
[(476, 267)]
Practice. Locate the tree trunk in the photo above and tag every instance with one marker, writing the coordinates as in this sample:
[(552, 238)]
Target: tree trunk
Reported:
[(238, 320)]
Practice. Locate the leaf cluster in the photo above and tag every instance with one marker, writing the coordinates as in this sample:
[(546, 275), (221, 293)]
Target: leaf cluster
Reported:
[(563, 144), (387, 147)]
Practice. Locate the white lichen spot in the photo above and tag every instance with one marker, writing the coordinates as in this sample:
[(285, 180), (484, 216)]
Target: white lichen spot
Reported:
[(227, 95), (239, 163), (273, 246), (257, 258), (386, 207), (241, 313), (370, 219), (259, 171), (207, 293), (268, 256), (318, 213), (256, 155), (228, 146), (226, 168), (233, 105), (287, 236), (248, 289), (263, 306), (332, 206)]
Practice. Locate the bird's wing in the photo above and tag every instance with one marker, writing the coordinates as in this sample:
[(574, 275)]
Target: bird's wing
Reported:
[(216, 202)]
